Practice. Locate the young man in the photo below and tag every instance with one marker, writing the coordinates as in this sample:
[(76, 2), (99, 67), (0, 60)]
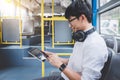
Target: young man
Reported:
[(89, 52)]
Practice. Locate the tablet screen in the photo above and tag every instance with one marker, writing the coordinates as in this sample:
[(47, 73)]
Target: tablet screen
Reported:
[(37, 53)]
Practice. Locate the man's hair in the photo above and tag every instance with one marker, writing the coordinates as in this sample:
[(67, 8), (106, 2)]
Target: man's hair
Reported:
[(77, 8)]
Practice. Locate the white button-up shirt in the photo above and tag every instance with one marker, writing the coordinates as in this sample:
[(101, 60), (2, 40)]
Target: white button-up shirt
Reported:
[(88, 57)]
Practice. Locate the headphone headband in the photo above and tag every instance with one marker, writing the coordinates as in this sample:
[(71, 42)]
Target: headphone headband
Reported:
[(90, 31), (81, 35)]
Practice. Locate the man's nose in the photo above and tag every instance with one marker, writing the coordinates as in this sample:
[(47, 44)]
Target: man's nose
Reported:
[(70, 25)]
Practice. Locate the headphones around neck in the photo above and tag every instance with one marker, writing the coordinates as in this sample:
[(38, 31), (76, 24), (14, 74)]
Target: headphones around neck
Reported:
[(80, 35)]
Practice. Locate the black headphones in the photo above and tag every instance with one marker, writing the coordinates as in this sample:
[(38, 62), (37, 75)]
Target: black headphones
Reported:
[(80, 35)]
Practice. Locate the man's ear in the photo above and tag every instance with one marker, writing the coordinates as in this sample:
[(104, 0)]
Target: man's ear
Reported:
[(82, 17)]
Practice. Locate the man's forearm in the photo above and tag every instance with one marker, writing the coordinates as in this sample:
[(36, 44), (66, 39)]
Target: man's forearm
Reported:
[(69, 73)]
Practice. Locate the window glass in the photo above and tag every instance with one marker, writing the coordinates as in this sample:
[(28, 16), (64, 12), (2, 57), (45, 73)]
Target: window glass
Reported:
[(102, 2), (7, 8), (110, 22)]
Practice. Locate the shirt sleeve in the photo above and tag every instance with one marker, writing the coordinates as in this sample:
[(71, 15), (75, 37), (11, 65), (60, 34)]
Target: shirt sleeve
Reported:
[(93, 61)]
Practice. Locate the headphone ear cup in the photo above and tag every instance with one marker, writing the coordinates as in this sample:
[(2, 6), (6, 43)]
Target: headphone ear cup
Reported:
[(79, 36)]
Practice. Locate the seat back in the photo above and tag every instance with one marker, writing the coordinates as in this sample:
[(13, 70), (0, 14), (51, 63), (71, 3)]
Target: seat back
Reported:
[(118, 45), (111, 42), (114, 69), (107, 65)]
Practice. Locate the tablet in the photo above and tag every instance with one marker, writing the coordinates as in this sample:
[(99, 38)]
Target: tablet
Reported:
[(40, 55)]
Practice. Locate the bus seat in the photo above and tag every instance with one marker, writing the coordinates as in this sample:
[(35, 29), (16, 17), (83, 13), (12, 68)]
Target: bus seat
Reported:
[(118, 45), (111, 42), (113, 72), (107, 64)]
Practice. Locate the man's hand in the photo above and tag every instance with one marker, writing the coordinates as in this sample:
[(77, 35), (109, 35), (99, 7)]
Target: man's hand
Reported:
[(57, 62), (54, 59)]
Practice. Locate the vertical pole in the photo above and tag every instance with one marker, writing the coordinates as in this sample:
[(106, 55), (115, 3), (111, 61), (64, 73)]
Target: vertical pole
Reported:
[(53, 36), (20, 24), (94, 10), (42, 34)]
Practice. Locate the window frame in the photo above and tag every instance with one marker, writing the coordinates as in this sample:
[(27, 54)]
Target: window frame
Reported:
[(105, 8)]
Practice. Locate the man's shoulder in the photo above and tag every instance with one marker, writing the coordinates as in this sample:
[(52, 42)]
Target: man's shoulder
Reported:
[(95, 40)]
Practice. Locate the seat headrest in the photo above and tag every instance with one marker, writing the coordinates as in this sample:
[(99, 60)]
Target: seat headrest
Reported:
[(111, 42)]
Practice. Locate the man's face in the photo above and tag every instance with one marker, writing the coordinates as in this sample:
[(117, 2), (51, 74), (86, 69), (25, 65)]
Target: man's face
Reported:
[(75, 23)]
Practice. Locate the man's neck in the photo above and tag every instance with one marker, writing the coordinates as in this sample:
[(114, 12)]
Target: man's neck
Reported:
[(88, 26)]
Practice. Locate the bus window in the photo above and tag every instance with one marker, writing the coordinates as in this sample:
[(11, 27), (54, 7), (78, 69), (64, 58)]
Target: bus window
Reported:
[(110, 22)]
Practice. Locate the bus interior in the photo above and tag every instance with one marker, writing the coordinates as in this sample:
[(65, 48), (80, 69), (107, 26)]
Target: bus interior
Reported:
[(41, 24)]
